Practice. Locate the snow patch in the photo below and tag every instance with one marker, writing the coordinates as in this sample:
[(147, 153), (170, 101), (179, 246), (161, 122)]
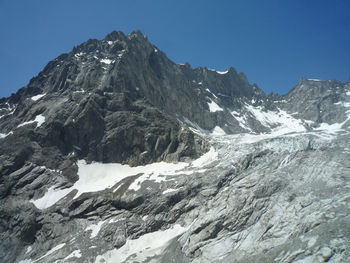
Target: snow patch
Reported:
[(209, 92), (213, 107), (110, 42), (58, 247), (95, 229), (218, 131), (37, 97), (314, 79), (107, 61), (29, 249), (51, 197), (241, 120), (170, 190), (281, 122), (74, 254), (148, 245), (2, 135), (79, 54), (40, 119)]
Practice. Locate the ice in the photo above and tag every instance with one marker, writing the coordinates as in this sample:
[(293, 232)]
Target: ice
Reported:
[(40, 119), (107, 61), (38, 97), (218, 131), (213, 107), (74, 254), (141, 249), (95, 229), (206, 158)]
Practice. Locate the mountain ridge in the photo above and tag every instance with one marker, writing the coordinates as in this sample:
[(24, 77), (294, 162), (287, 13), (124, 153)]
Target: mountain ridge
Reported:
[(115, 153)]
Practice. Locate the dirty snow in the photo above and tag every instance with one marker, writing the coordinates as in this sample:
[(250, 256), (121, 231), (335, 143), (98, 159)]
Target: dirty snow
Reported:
[(37, 97), (146, 246), (39, 119), (213, 107)]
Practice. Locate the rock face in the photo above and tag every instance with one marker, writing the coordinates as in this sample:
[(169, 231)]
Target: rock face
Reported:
[(114, 153)]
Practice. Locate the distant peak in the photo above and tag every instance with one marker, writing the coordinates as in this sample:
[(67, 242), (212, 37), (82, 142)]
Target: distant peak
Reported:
[(115, 35), (138, 34)]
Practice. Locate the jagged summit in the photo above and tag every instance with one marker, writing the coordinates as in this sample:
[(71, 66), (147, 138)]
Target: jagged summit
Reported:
[(114, 153)]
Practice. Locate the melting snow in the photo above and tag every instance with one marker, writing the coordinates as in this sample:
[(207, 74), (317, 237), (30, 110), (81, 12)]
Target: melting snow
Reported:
[(40, 119), (38, 97), (148, 245), (213, 107)]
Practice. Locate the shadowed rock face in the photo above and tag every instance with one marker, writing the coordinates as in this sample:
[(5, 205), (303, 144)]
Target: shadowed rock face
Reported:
[(114, 153)]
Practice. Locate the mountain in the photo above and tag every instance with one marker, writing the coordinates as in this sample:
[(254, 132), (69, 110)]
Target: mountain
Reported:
[(114, 153)]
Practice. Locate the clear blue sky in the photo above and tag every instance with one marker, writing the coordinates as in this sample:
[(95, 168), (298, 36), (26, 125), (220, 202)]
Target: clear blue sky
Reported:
[(274, 43)]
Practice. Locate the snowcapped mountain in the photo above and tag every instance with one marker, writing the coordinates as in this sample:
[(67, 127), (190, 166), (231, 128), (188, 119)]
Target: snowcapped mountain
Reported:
[(114, 153)]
